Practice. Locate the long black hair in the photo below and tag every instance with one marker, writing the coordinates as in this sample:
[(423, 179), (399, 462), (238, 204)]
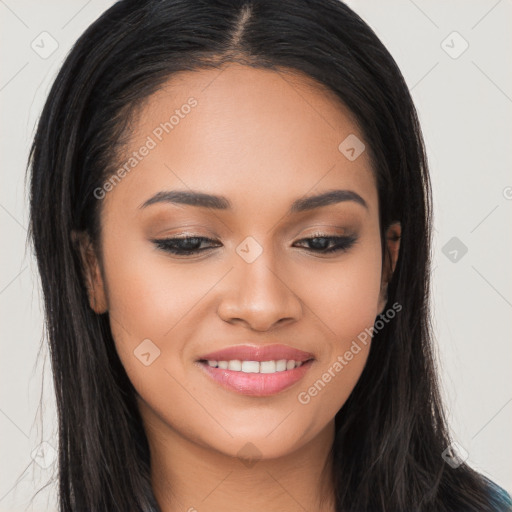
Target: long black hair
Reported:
[(391, 433)]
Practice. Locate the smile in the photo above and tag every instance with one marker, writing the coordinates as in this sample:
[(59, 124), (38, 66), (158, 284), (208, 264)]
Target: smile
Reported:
[(256, 378), (256, 366)]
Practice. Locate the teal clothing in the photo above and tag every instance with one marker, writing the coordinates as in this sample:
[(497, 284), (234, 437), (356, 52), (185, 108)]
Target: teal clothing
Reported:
[(501, 497)]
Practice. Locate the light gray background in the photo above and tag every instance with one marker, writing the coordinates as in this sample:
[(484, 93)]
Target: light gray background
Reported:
[(465, 107)]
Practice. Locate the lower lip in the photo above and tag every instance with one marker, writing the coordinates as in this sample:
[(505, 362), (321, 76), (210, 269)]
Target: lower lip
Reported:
[(257, 384)]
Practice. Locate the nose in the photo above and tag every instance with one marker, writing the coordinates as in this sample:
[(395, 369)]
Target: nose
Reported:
[(259, 295)]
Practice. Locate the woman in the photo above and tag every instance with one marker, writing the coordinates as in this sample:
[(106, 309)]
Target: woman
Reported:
[(231, 213)]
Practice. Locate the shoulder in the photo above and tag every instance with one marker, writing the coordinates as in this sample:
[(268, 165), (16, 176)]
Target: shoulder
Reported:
[(499, 496)]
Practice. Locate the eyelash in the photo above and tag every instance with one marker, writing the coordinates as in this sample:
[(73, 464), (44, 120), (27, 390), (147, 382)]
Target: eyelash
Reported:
[(169, 244)]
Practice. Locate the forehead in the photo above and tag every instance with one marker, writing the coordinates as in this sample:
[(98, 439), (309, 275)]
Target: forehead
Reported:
[(244, 133)]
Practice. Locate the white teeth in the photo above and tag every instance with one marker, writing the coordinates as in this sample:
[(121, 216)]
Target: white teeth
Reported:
[(255, 366), (250, 366), (268, 367), (281, 365), (235, 365)]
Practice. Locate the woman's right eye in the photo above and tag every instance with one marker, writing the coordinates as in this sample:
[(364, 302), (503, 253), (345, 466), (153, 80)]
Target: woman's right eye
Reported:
[(183, 245)]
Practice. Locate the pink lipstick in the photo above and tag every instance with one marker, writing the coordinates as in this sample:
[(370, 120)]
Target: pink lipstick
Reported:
[(257, 370)]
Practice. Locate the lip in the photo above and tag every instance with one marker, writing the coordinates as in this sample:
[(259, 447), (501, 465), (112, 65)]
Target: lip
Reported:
[(256, 384), (258, 353)]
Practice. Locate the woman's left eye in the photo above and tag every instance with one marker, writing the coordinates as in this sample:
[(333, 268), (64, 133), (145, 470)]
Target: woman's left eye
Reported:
[(184, 246), (322, 243)]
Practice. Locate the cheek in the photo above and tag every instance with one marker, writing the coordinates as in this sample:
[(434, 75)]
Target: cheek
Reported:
[(149, 295), (344, 294), (151, 303), (151, 309), (343, 298)]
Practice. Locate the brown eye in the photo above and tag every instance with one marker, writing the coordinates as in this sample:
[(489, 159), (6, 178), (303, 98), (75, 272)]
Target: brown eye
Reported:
[(322, 244), (183, 245)]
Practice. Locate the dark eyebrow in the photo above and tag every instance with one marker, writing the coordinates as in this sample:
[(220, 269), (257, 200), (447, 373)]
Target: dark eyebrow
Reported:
[(190, 197), (200, 199), (326, 198)]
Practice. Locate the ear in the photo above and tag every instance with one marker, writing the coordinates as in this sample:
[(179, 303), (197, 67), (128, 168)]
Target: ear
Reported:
[(393, 235), (91, 271)]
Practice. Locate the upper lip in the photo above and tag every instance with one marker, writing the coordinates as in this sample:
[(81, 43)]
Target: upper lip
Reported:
[(258, 353)]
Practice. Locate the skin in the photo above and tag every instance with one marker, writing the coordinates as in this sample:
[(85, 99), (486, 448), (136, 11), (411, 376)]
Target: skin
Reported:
[(262, 139)]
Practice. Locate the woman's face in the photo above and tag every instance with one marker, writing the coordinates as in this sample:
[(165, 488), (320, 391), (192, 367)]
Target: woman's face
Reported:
[(263, 141)]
